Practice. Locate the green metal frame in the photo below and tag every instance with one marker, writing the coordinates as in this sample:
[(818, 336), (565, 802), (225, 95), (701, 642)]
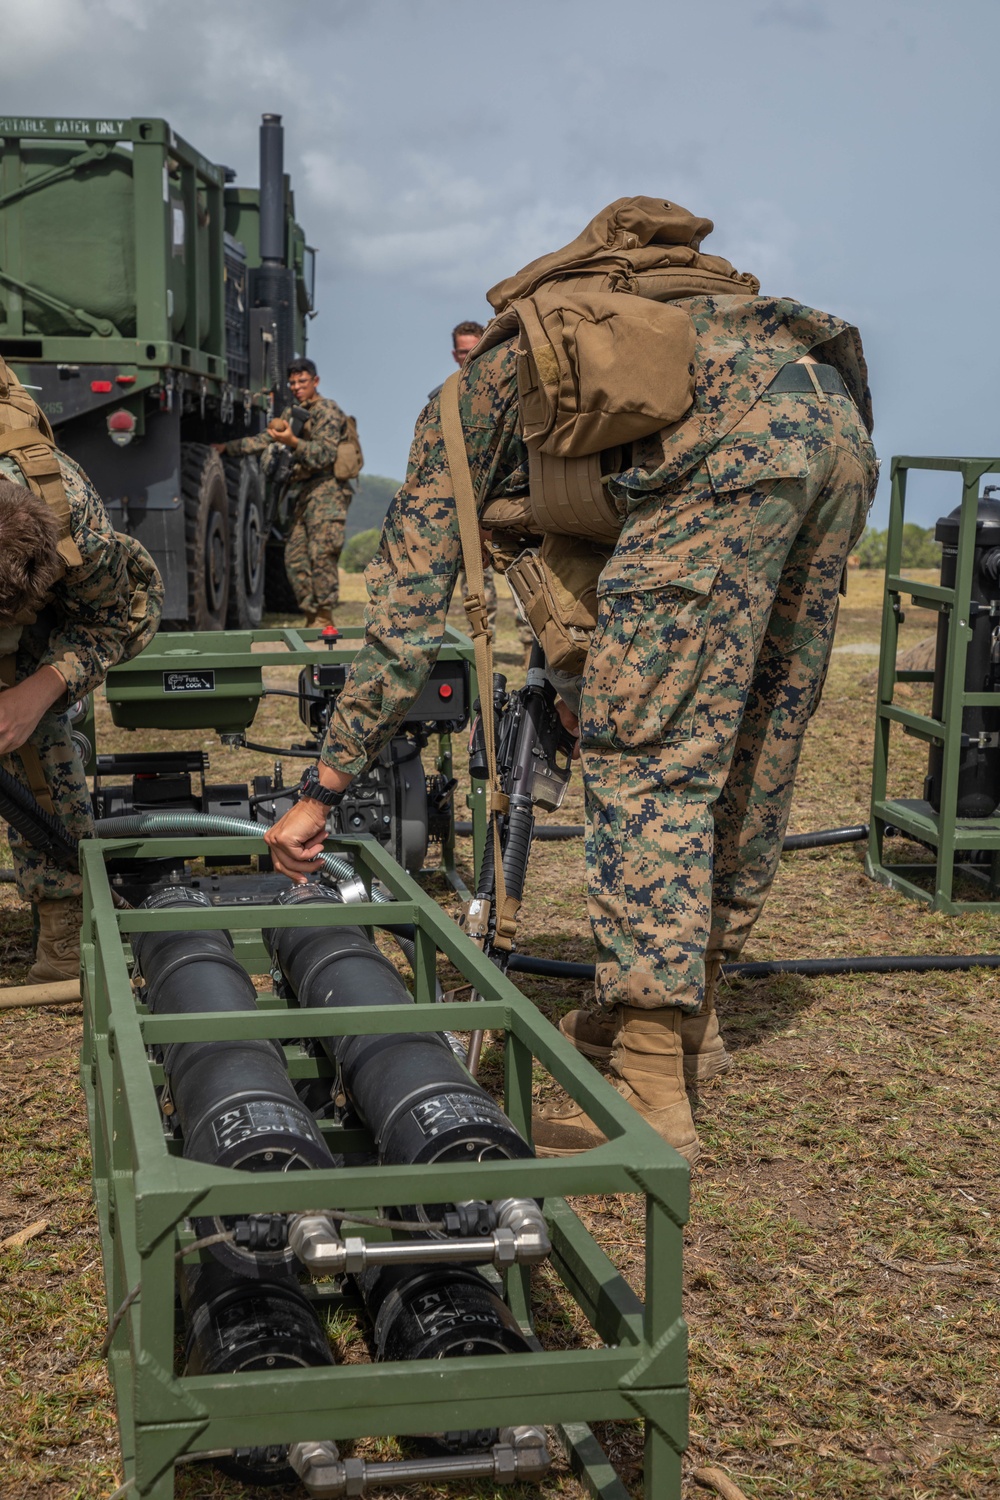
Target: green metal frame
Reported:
[(146, 1193), (137, 699), (948, 835)]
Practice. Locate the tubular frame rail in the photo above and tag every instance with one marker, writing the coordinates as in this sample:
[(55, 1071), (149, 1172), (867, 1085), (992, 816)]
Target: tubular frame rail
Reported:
[(951, 838), (146, 1193)]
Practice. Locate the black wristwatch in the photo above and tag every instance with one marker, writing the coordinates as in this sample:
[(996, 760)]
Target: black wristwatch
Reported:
[(311, 786)]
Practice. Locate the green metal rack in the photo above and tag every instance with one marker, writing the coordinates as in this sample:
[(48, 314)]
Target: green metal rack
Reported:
[(146, 1194), (949, 836), (224, 672)]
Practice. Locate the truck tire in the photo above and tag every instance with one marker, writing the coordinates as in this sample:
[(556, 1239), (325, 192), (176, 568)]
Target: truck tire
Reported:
[(279, 595), (248, 529), (206, 536)]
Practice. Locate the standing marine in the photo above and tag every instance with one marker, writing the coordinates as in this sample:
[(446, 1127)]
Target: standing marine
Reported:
[(671, 469), (76, 598), (326, 456)]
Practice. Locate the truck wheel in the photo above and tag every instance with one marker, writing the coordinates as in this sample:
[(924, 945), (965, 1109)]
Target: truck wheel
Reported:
[(278, 592), (245, 485), (206, 535)]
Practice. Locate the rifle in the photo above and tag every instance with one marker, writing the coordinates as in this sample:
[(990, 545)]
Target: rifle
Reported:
[(534, 764)]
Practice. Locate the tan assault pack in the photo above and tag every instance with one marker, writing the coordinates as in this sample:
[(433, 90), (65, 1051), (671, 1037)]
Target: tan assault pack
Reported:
[(350, 460), (26, 436), (604, 359)]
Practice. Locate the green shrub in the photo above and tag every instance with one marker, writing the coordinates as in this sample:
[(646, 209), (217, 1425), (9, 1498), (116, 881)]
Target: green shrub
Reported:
[(919, 549), (359, 551), (870, 550)]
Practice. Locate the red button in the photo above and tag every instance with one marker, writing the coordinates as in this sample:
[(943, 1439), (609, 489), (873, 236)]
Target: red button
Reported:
[(445, 690), (100, 387)]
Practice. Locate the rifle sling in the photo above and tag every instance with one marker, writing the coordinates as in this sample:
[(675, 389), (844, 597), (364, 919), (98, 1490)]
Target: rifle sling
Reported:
[(482, 639)]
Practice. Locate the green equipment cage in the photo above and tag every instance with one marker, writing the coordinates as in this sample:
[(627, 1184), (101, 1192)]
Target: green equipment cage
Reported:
[(953, 840), (634, 1366)]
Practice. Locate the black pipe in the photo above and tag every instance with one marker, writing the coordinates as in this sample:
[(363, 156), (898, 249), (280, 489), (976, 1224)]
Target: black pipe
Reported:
[(921, 963), (234, 1325), (543, 832), (409, 1088), (917, 963), (234, 1101), (823, 838), (272, 191)]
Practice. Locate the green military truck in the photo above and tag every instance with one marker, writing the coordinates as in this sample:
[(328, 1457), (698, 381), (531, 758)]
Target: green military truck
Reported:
[(153, 306)]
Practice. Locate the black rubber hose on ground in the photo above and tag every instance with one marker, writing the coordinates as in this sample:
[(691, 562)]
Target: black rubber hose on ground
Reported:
[(823, 838), (543, 832), (921, 963)]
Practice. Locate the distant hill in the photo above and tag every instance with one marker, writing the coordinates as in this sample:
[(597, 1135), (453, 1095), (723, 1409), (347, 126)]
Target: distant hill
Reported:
[(370, 503)]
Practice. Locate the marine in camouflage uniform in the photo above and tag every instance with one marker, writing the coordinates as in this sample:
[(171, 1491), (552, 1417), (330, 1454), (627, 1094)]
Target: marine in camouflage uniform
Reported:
[(317, 504), (716, 620), (86, 625)]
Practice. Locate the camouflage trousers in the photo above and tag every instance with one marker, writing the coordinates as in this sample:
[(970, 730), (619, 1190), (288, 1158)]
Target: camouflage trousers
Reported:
[(716, 621), (314, 545), (40, 877)]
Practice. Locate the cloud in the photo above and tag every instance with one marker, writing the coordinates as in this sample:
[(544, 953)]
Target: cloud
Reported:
[(797, 15)]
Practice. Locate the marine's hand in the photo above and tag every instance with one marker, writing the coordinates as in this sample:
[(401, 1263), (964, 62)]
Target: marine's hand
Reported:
[(22, 706), (219, 447), (280, 430), (570, 723), (297, 838)]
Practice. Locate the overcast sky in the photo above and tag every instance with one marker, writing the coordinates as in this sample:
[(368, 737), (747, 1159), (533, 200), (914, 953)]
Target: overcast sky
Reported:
[(847, 152)]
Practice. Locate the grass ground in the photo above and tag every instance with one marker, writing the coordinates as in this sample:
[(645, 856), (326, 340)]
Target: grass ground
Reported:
[(841, 1264)]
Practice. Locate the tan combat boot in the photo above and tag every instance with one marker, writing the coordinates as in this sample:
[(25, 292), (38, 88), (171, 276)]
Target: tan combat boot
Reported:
[(321, 619), (592, 1033), (57, 954), (705, 1054), (649, 1064)]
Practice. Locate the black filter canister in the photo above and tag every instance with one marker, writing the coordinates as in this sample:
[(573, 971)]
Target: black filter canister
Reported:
[(234, 1325), (415, 1096), (439, 1312), (234, 1101), (978, 783)]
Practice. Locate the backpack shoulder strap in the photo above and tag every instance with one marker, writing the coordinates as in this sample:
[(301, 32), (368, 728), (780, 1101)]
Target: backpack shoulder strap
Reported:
[(482, 638)]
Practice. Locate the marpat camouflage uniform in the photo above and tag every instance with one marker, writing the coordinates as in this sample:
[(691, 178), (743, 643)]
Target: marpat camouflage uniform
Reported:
[(716, 620), (317, 504), (84, 628)]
